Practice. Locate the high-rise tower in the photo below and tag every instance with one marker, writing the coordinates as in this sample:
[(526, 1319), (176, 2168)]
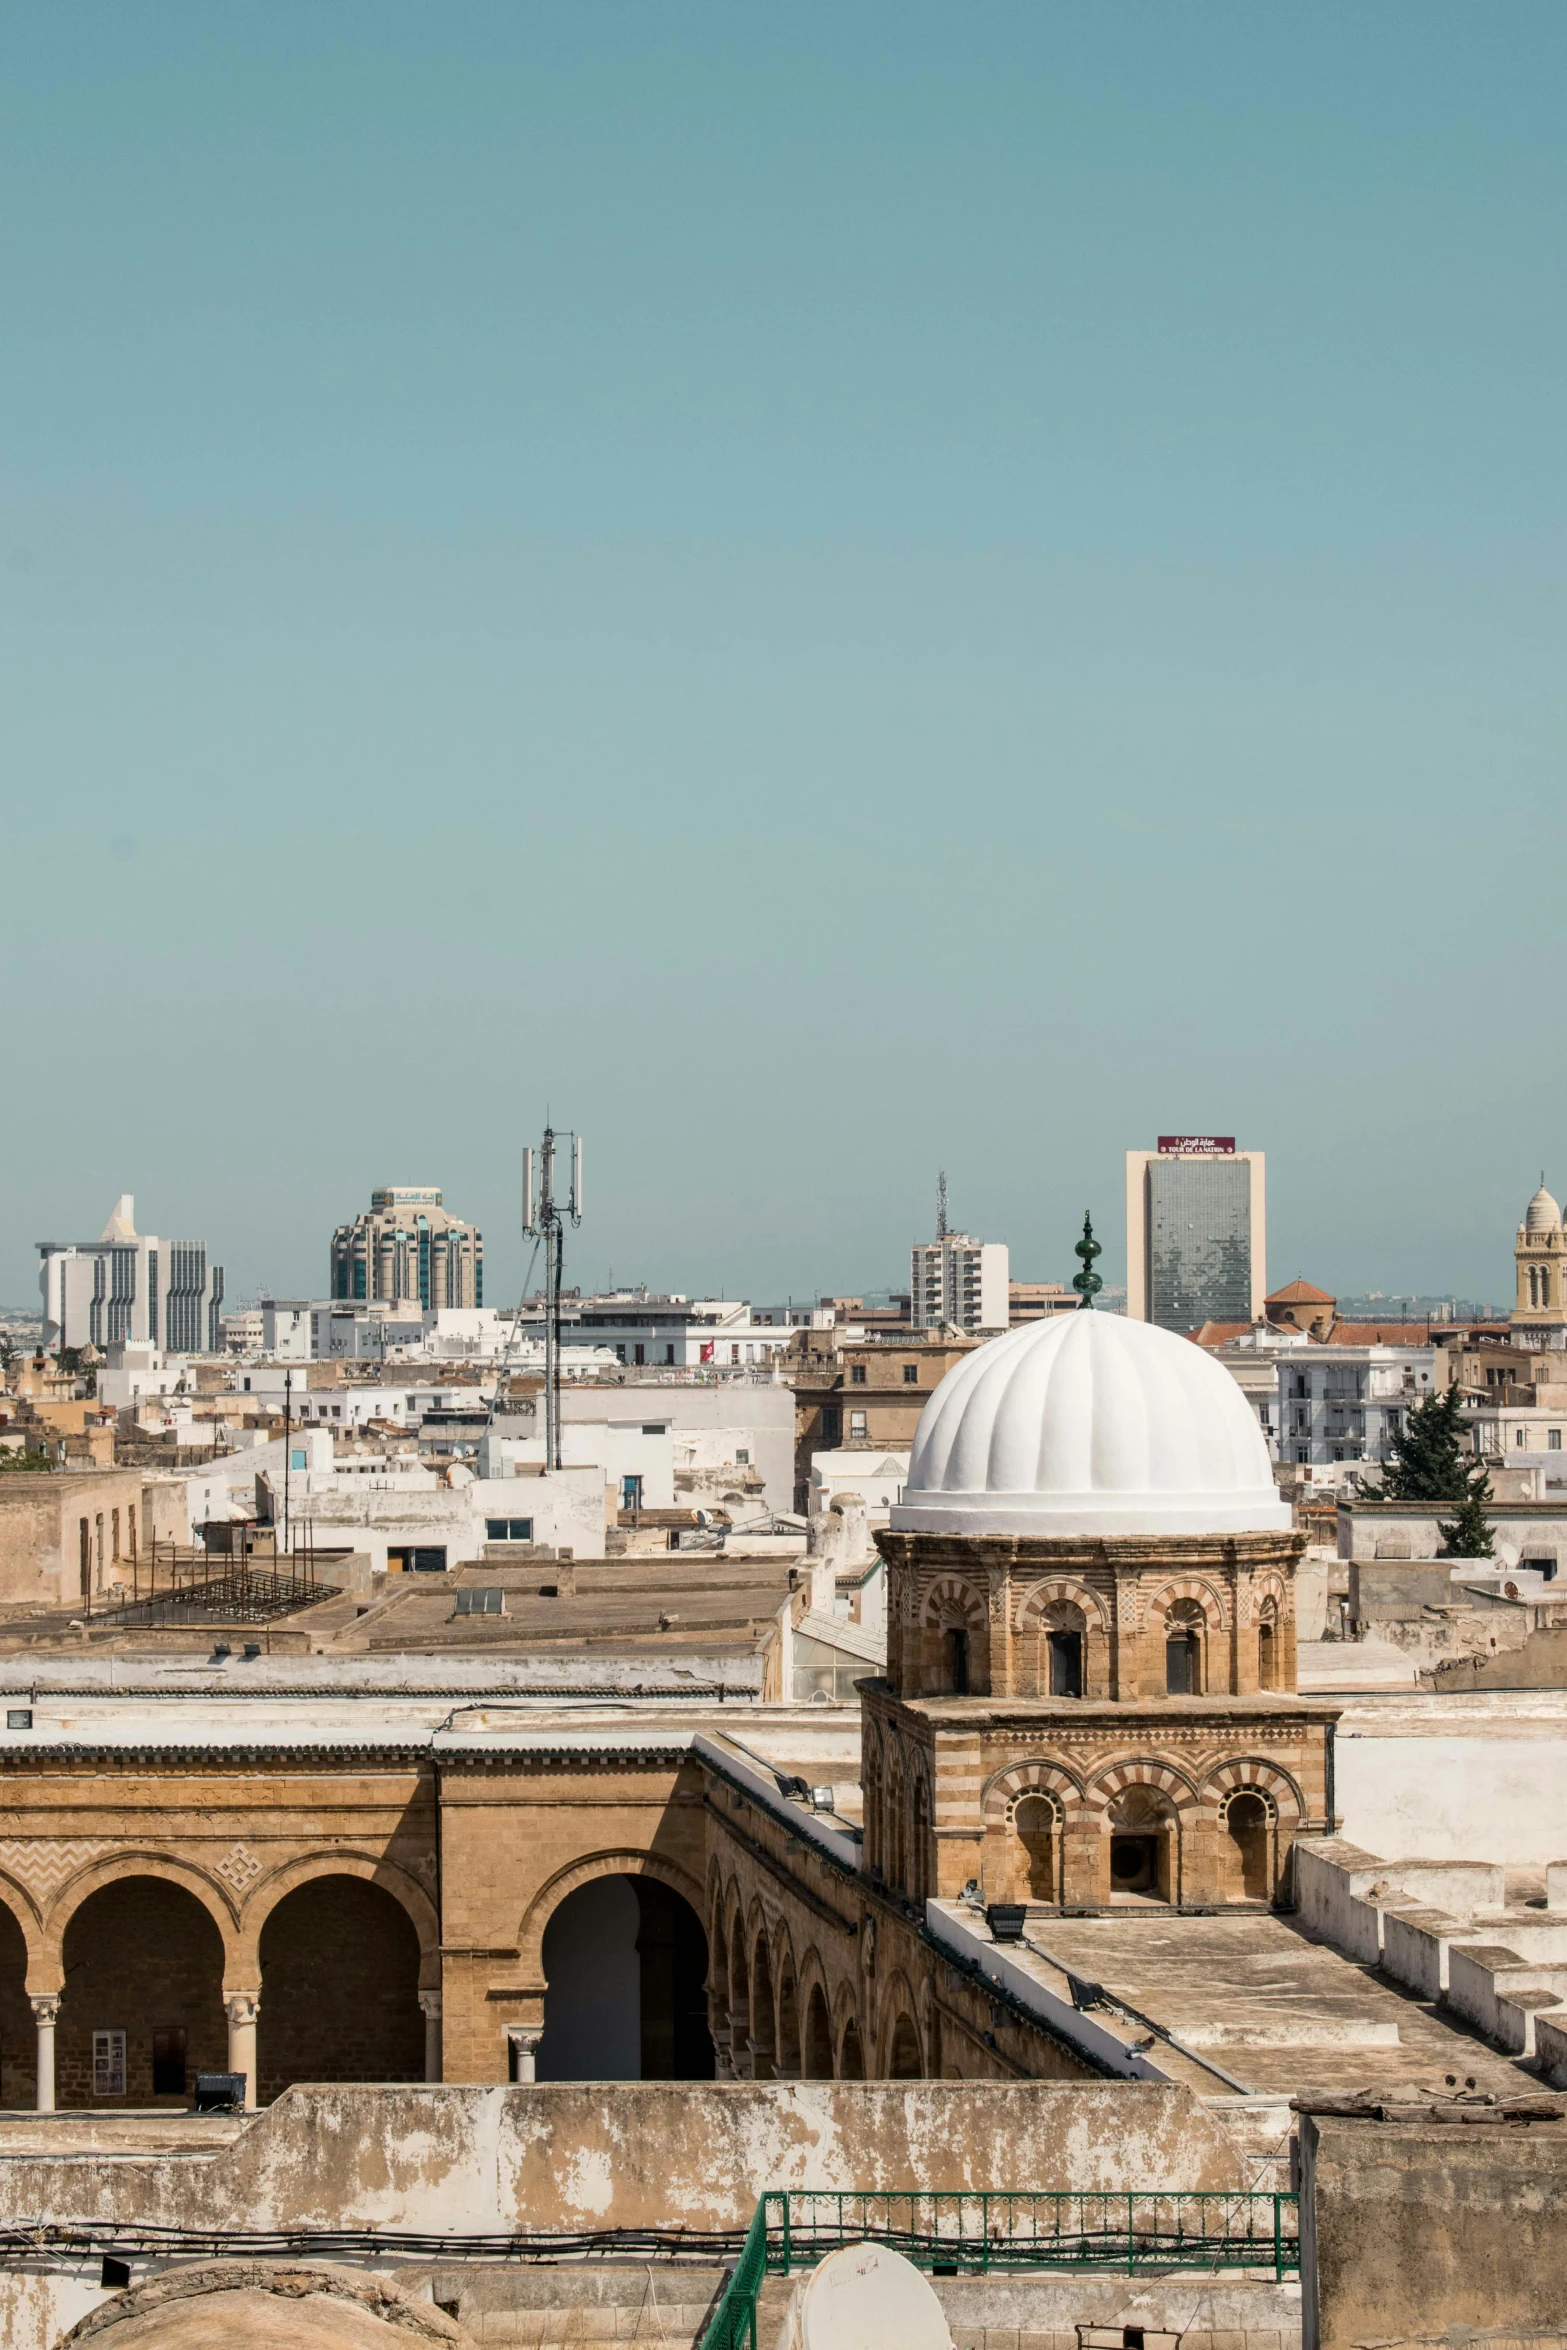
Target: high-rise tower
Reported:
[(407, 1247), (1196, 1233)]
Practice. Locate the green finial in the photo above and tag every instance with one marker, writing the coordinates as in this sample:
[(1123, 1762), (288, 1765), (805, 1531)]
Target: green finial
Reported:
[(1087, 1283)]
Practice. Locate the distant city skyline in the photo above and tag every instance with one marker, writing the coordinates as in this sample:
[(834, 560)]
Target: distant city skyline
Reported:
[(591, 1267)]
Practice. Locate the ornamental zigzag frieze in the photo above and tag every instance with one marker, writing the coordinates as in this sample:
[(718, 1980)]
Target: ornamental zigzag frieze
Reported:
[(44, 1863)]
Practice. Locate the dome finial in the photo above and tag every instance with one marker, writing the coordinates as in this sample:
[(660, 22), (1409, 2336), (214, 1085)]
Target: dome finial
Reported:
[(1087, 1283)]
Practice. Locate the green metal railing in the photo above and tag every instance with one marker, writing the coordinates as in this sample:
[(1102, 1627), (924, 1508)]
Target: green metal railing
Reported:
[(965, 2233), (733, 2323)]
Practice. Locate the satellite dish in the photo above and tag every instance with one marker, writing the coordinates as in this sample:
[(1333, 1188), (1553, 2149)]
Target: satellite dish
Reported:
[(866, 2297)]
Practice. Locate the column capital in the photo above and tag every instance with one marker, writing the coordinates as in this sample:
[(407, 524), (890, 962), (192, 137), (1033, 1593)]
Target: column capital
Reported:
[(45, 2006), (242, 2007), (525, 2036), (430, 2002)]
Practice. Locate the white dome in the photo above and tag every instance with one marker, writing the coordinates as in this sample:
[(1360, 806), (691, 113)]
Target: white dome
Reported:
[(1542, 1214), (1089, 1424)]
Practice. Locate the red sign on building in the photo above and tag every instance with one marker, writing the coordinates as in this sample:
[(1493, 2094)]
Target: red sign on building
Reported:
[(1216, 1145)]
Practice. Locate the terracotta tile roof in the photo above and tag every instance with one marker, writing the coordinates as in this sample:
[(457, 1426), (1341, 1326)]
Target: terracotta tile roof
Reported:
[(1381, 1333), (1300, 1293), (1218, 1333)]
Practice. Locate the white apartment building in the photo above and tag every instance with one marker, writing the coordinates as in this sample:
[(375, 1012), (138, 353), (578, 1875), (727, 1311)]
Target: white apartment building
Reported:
[(962, 1281), (1520, 1436), (130, 1285), (1340, 1406), (726, 1443), (670, 1333)]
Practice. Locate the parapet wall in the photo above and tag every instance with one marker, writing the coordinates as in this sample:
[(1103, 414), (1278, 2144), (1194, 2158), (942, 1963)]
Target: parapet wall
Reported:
[(595, 2155)]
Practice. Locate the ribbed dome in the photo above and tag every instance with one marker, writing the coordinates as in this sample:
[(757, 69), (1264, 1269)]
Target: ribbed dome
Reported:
[(1542, 1213), (1089, 1424)]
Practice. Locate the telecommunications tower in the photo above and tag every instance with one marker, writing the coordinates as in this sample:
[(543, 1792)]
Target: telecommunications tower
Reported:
[(543, 1220)]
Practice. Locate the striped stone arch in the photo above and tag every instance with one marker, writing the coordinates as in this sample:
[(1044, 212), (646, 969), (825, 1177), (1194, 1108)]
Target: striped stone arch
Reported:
[(1006, 1790), (1265, 1587), (952, 1597), (1034, 1601), (1248, 1773), (1215, 1604), (1143, 1771)]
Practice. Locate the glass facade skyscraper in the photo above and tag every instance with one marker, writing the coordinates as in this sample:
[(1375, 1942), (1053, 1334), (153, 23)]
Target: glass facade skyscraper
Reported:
[(1199, 1242), (1195, 1235)]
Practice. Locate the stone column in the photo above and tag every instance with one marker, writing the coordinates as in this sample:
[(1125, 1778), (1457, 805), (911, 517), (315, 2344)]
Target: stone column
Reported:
[(523, 2041), (46, 2011), (242, 2008), (430, 2001)]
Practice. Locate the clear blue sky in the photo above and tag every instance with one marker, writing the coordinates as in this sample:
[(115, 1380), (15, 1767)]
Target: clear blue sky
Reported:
[(824, 591)]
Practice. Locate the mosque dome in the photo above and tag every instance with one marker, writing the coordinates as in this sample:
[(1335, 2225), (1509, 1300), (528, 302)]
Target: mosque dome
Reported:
[(1542, 1214), (1089, 1424)]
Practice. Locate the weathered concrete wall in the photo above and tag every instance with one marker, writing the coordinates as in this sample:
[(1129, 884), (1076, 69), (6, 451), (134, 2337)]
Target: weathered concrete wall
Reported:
[(666, 2305), (1410, 2230), (1539, 1662), (1464, 1777), (569, 2306), (588, 2155)]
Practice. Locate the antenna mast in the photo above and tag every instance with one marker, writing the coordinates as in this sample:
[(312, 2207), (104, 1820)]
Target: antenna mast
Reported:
[(941, 1205), (543, 1220)]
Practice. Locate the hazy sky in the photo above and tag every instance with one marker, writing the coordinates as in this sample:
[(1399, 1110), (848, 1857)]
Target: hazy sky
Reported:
[(823, 591)]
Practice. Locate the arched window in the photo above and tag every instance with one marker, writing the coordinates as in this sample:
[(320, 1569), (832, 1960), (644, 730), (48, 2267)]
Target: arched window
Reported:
[(1142, 1846), (1183, 1673), (762, 2012), (818, 2037), (895, 1826), (788, 2065), (1036, 1824), (739, 2004), (1248, 1823), (1065, 1642), (1268, 1646), (957, 1661), (919, 1829), (903, 2058)]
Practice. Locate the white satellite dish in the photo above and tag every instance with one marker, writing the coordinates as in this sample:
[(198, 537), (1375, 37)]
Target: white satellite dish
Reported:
[(866, 2297)]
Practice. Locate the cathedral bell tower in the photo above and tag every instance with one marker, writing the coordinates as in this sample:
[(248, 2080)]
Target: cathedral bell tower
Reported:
[(1539, 1315)]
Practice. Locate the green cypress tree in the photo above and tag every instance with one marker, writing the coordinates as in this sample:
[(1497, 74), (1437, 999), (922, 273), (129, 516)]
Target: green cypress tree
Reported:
[(1428, 1463), (1467, 1533)]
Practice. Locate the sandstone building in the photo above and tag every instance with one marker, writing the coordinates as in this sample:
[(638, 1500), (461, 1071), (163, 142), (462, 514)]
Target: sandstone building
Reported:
[(1087, 1710)]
